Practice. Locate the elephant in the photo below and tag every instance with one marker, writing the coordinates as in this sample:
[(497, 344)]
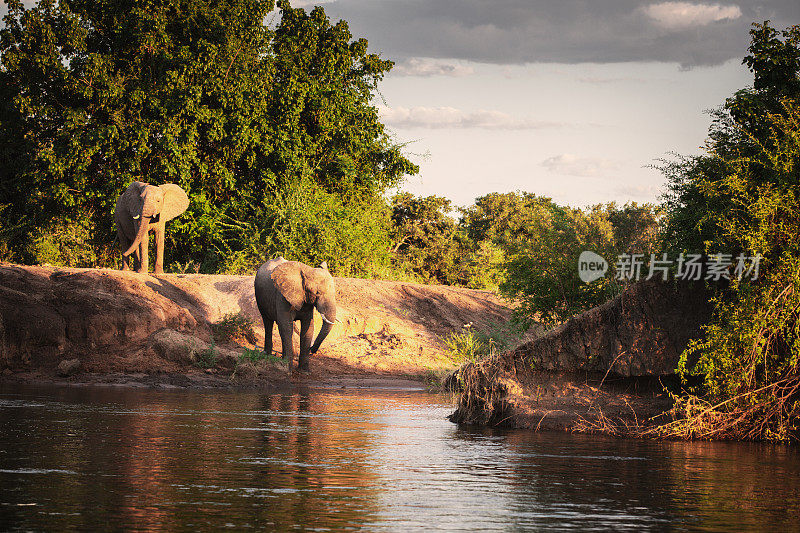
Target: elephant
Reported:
[(287, 291), (142, 208)]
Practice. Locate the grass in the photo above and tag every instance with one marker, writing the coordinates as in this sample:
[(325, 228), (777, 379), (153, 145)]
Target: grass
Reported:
[(207, 358), (472, 345), (255, 355), (465, 347)]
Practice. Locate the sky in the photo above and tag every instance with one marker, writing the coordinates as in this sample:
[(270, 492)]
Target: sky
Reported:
[(577, 100), (572, 99)]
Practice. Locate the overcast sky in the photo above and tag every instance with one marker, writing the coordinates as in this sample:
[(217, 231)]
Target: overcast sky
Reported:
[(565, 98)]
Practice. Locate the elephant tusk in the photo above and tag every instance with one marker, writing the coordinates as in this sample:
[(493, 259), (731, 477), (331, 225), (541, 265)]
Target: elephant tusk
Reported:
[(324, 319), (136, 217)]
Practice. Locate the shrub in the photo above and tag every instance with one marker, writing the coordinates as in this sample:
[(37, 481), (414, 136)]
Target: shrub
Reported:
[(234, 326), (255, 355), (207, 358)]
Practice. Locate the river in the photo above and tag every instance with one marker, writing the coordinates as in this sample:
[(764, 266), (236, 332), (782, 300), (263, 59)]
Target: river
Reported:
[(100, 458)]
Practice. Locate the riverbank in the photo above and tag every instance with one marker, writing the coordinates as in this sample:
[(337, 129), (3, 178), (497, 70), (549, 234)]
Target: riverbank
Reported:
[(107, 326), (603, 371), (98, 326)]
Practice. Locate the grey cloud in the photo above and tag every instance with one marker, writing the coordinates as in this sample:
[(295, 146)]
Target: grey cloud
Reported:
[(572, 165), (426, 67), (567, 31), (452, 118)]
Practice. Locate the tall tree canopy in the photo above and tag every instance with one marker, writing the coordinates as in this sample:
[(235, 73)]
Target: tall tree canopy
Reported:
[(742, 197), (263, 128)]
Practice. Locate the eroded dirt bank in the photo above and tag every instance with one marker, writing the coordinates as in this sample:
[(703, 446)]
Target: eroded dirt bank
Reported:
[(601, 371), (106, 326), (100, 325)]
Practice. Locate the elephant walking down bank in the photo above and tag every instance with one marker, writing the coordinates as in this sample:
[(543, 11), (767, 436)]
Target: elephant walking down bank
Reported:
[(287, 291), (142, 208)]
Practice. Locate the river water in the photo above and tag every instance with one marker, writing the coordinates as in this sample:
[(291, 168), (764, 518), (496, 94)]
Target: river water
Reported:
[(100, 458)]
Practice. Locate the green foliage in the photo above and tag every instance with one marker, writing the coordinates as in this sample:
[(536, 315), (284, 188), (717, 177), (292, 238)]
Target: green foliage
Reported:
[(268, 131), (636, 228), (233, 326), (255, 356), (697, 201), (542, 273), (424, 237), (466, 346), (530, 248), (742, 197), (207, 358)]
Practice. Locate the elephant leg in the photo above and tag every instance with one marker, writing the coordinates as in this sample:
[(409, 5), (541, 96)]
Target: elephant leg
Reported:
[(136, 260), (268, 324), (306, 336), (144, 245), (159, 266), (125, 243), (286, 329)]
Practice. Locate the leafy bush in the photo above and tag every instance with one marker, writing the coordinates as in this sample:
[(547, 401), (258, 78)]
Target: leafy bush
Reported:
[(207, 358), (742, 197), (233, 326), (256, 355)]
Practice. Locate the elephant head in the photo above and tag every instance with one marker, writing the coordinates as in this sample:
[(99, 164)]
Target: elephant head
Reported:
[(303, 285), (150, 204)]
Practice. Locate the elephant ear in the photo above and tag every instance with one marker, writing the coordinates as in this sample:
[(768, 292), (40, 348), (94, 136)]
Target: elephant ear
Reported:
[(175, 201), (288, 277)]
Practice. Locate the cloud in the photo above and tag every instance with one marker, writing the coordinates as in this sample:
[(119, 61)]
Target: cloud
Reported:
[(310, 4), (450, 117), (426, 67), (647, 193), (572, 165), (568, 31), (683, 15)]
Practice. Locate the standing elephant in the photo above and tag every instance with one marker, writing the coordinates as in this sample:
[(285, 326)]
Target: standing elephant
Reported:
[(142, 208), (287, 291)]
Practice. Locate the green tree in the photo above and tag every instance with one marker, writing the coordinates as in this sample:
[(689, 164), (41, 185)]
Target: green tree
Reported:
[(740, 125), (529, 246), (251, 123), (636, 227), (424, 238), (749, 356), (541, 273), (741, 197)]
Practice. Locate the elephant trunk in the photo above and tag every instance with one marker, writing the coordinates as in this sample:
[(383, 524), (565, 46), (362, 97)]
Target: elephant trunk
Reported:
[(144, 225), (149, 208), (328, 313)]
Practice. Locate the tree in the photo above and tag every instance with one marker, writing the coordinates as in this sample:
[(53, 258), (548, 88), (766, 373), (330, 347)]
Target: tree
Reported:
[(741, 197), (251, 123), (424, 238), (542, 271), (739, 126), (635, 227), (529, 246)]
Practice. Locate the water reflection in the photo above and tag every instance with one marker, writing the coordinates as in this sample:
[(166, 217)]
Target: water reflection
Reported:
[(104, 458)]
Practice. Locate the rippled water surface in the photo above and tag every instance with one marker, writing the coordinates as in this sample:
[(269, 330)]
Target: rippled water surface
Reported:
[(109, 458)]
